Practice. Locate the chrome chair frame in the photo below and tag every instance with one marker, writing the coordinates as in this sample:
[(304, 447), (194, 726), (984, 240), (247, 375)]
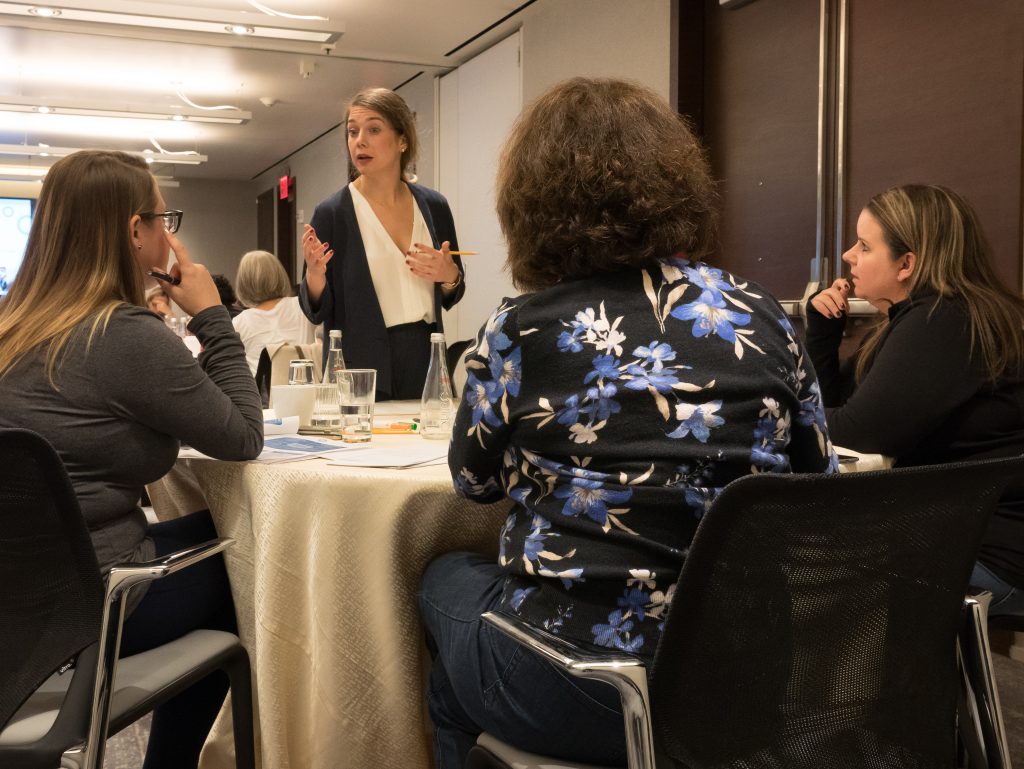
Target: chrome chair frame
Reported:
[(627, 674), (980, 694), (89, 755)]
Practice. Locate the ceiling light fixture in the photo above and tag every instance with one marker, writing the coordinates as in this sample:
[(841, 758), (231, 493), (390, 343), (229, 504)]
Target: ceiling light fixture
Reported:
[(191, 103), (282, 14), (224, 114), (27, 150), (224, 23)]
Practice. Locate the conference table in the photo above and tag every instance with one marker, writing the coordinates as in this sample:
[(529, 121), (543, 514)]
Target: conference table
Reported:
[(324, 575)]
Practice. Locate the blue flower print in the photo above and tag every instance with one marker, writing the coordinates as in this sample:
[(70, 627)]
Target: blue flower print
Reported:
[(634, 601), (481, 397), (605, 366), (589, 498), (569, 414), (655, 353), (570, 342), (519, 596), (699, 499), (602, 400), (697, 420), (467, 485), (534, 544), (711, 316), (507, 372), (615, 634), (661, 380), (496, 340), (708, 278)]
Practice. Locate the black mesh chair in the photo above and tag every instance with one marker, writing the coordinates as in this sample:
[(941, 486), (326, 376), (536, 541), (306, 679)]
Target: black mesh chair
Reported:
[(814, 625), (62, 688)]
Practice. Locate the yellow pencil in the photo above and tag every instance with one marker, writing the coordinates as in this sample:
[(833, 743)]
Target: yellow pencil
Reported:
[(464, 253)]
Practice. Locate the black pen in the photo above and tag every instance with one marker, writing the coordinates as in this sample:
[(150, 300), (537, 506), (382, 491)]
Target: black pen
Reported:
[(165, 277)]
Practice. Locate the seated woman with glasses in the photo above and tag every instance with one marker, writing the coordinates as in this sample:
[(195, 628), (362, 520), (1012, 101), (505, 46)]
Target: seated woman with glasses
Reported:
[(609, 405), (941, 377), (87, 366)]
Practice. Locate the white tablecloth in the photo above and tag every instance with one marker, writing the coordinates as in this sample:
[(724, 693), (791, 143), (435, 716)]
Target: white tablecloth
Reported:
[(324, 576)]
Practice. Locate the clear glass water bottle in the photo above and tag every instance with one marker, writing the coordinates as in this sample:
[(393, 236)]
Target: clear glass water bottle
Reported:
[(436, 407), (335, 360)]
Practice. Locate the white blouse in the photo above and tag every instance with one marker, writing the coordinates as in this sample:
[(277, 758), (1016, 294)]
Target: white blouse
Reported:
[(403, 297)]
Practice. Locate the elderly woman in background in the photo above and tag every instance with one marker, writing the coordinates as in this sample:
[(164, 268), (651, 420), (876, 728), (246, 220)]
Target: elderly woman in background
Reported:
[(84, 364), (610, 405), (273, 314), (378, 252), (941, 377)]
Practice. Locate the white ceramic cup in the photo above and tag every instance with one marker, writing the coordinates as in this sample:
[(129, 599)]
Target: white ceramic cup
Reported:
[(293, 401)]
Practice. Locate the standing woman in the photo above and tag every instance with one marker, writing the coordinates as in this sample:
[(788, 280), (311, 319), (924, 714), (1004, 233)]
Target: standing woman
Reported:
[(114, 391), (378, 252), (941, 378)]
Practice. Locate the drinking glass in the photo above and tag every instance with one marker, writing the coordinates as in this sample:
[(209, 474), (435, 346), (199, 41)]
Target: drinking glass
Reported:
[(301, 372), (357, 388), (327, 408)]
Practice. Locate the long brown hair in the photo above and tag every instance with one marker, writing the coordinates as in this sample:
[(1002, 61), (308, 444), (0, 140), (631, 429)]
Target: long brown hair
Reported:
[(953, 261), (600, 175), (79, 262)]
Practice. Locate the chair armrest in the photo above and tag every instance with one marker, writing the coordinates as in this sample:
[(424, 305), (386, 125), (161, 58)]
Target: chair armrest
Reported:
[(121, 578), (125, 575), (625, 672)]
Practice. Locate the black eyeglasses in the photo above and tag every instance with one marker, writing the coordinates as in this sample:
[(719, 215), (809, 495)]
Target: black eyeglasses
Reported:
[(172, 219)]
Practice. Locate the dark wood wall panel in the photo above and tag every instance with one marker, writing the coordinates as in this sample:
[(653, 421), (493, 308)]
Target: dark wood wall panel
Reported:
[(935, 96), (760, 124)]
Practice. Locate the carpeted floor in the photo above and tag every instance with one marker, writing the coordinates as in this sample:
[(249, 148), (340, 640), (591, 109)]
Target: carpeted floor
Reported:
[(125, 750)]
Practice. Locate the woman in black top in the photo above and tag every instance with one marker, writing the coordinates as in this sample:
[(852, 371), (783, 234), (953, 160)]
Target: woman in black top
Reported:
[(941, 378), (378, 253)]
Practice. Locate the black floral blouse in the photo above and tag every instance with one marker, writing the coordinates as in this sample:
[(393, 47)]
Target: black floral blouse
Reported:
[(612, 410)]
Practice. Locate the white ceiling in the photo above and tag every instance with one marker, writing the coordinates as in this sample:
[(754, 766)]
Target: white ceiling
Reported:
[(384, 42)]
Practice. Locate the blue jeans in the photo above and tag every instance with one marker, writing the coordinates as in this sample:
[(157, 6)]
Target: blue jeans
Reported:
[(1006, 599), (483, 681)]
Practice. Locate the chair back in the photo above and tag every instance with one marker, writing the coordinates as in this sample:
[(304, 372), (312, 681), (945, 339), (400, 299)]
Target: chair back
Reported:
[(51, 592), (272, 368), (815, 620)]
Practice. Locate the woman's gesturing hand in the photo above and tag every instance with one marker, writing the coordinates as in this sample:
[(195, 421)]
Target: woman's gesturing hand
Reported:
[(315, 253), (196, 291), (436, 266), (832, 302)]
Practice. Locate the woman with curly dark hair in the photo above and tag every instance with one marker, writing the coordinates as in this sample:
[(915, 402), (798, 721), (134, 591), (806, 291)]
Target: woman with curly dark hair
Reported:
[(611, 406)]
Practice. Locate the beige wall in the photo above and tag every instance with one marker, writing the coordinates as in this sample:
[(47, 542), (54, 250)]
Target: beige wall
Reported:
[(219, 224), (604, 38)]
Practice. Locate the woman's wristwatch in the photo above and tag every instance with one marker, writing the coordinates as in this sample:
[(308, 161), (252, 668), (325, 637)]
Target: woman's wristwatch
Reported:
[(454, 284)]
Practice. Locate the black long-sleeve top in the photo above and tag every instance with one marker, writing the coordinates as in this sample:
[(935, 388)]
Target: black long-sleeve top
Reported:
[(926, 399)]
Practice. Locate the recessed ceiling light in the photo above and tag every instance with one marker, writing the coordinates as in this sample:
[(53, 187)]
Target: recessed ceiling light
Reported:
[(43, 110), (177, 117), (203, 20)]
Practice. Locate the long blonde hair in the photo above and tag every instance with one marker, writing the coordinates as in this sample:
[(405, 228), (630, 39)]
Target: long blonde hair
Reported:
[(79, 262), (953, 261)]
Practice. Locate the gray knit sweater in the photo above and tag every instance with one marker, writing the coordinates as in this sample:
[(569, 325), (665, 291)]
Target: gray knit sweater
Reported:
[(122, 405)]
